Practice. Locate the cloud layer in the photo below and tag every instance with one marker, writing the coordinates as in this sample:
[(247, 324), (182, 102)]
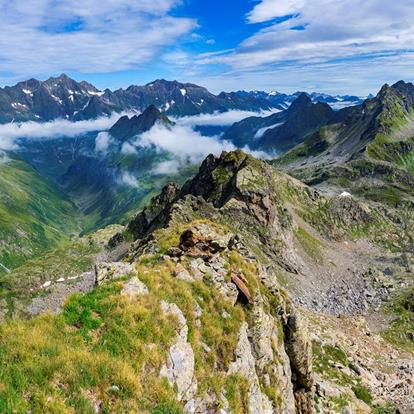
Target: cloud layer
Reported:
[(322, 30), (219, 118), (10, 133)]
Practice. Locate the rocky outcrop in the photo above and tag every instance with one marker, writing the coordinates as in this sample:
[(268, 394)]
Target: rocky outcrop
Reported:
[(105, 272), (299, 350), (134, 287), (179, 369), (245, 365)]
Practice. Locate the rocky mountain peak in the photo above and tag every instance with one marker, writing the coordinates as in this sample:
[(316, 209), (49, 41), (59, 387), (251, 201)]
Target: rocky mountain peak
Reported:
[(126, 128)]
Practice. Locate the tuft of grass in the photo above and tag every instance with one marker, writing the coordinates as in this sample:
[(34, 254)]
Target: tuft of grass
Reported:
[(311, 245), (237, 394), (362, 393), (104, 349), (401, 330)]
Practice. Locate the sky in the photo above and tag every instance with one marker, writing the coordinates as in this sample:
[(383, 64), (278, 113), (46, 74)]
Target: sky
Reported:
[(332, 46)]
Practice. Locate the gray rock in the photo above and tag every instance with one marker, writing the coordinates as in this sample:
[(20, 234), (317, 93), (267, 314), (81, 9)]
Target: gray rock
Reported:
[(180, 365), (134, 287), (105, 272)]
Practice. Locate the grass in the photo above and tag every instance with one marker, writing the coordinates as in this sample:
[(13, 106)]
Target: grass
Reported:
[(70, 258), (311, 245), (362, 393), (96, 352), (400, 333), (219, 333), (34, 215), (324, 359)]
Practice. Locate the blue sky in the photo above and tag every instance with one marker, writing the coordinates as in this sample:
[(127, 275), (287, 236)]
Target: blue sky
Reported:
[(333, 46)]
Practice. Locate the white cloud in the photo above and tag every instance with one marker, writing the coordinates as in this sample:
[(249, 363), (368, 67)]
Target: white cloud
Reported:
[(11, 132), (269, 9), (219, 118), (167, 167), (128, 149), (88, 36), (3, 158), (102, 142), (185, 146), (127, 179), (319, 32), (182, 141)]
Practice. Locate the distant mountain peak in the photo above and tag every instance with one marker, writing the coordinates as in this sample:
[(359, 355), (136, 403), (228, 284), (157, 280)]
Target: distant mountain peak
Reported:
[(126, 128)]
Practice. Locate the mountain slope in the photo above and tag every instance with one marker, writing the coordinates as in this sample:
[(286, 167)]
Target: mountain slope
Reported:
[(284, 100), (282, 131), (208, 310), (34, 215), (126, 128), (371, 152)]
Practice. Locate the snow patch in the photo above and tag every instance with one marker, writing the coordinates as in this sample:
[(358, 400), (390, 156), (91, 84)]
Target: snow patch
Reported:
[(95, 93), (183, 92), (345, 194)]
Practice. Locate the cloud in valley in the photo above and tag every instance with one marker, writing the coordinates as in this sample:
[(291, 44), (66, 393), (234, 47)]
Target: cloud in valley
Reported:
[(10, 133), (219, 118)]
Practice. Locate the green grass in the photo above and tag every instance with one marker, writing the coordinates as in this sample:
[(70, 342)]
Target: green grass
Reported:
[(400, 333), (95, 351), (34, 215), (362, 393), (311, 245), (324, 359)]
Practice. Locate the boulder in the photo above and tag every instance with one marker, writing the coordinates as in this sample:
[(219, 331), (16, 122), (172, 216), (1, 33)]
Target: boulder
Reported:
[(134, 287), (105, 272)]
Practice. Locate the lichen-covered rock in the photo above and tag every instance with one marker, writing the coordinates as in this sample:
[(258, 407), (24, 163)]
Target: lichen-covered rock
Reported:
[(272, 362), (245, 365), (299, 349), (105, 272), (180, 366), (134, 287), (203, 241)]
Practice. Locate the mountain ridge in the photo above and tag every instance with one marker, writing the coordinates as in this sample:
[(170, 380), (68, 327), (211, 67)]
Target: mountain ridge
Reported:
[(62, 97)]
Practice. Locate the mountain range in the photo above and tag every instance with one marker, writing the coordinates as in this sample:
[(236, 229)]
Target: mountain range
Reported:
[(62, 97), (370, 152), (283, 130)]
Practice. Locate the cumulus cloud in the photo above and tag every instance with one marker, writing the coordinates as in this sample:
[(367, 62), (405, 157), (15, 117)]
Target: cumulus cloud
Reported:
[(10, 133), (102, 142), (87, 36), (167, 167), (183, 142), (3, 158), (185, 146), (128, 149), (219, 118), (127, 179)]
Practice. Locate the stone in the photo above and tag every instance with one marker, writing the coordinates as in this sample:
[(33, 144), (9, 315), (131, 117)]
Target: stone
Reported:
[(181, 273), (105, 272), (242, 288), (244, 365), (180, 366), (203, 241), (134, 287)]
